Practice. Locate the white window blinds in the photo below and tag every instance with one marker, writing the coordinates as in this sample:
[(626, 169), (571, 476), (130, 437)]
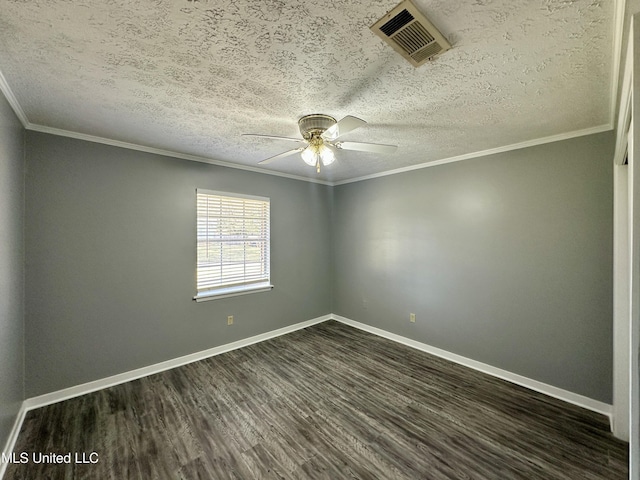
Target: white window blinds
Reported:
[(233, 241)]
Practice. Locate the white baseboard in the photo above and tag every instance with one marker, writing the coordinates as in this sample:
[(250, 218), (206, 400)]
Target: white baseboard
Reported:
[(75, 391), (13, 436), (71, 392), (570, 397)]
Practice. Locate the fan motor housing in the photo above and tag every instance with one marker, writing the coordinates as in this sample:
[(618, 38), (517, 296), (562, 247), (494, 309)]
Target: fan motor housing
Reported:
[(314, 124)]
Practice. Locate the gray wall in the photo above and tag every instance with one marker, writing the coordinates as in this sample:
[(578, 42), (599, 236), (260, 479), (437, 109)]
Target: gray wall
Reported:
[(110, 244), (11, 268), (505, 259)]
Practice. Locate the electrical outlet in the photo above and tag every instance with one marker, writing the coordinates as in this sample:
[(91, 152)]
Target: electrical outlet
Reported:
[(230, 320), (412, 317)]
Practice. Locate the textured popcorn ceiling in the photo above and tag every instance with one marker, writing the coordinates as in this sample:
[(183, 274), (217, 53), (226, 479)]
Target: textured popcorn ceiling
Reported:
[(191, 76)]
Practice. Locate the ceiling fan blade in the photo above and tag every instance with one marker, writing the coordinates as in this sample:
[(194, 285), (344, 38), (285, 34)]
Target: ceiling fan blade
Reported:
[(281, 155), (273, 137), (345, 125), (366, 147)]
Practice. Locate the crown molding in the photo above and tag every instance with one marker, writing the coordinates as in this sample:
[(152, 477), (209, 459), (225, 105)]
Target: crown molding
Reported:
[(196, 158), (13, 101), (167, 153), (625, 108), (616, 55), (618, 30), (484, 153)]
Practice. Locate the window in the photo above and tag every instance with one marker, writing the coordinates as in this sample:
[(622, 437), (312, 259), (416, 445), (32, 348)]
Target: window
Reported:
[(233, 244)]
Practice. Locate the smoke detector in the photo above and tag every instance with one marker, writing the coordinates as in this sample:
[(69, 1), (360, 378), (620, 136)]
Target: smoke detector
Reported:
[(411, 34)]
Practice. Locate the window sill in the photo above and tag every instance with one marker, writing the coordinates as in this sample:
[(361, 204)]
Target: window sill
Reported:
[(232, 292)]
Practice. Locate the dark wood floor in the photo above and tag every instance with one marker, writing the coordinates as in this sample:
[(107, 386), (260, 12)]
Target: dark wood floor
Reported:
[(330, 402)]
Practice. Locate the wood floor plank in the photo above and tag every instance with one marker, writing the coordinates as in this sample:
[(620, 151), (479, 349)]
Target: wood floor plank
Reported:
[(329, 402)]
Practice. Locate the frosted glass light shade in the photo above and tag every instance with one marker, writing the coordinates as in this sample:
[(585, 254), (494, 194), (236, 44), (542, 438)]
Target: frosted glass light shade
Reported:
[(321, 152), (310, 156), (326, 155)]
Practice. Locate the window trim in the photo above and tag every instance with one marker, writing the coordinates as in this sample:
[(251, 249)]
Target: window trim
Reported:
[(234, 290)]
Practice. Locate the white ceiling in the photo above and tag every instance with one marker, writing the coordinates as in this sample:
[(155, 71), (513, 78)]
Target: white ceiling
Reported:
[(190, 76)]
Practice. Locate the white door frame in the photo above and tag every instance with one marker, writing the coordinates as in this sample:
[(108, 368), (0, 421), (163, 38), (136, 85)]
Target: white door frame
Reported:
[(621, 303), (634, 243), (626, 265), (622, 219)]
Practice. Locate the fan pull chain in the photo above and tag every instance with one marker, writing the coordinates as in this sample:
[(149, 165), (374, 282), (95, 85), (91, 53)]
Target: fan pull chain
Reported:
[(318, 165)]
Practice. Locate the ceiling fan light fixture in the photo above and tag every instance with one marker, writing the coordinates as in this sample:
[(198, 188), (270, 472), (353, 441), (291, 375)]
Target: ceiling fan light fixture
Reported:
[(320, 152), (310, 155), (326, 155), (320, 133)]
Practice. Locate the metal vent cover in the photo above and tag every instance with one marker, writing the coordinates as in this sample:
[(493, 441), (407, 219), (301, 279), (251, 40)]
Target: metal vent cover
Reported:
[(411, 34)]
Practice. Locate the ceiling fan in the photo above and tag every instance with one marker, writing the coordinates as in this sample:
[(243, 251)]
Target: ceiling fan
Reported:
[(319, 136)]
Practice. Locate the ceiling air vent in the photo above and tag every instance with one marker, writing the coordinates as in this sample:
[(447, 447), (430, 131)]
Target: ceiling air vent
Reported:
[(411, 34)]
